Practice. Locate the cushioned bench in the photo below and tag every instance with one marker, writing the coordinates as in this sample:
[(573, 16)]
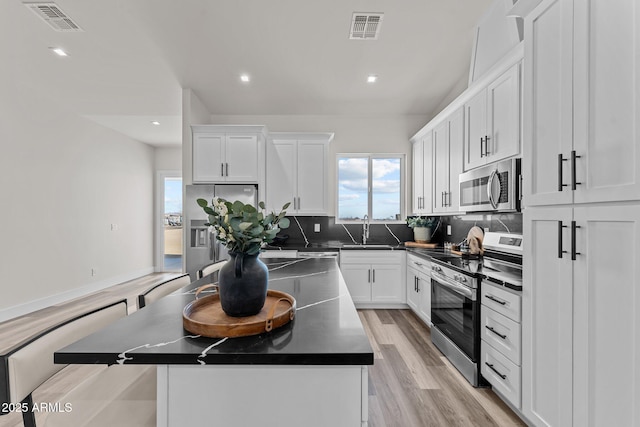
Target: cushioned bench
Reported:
[(112, 396), (162, 289)]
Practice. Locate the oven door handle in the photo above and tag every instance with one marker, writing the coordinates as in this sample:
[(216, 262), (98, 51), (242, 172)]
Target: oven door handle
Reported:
[(453, 286)]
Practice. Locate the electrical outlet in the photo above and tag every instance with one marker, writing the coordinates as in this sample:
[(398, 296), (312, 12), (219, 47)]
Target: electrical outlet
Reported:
[(316, 228), (94, 272), (448, 230), (114, 227)]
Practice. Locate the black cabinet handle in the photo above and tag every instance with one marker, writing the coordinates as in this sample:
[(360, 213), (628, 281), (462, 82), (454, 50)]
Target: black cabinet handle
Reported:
[(504, 377), (492, 298), (560, 251), (369, 279), (374, 276), (573, 240), (560, 160), (574, 183), (221, 169), (496, 332), (486, 146), (481, 146)]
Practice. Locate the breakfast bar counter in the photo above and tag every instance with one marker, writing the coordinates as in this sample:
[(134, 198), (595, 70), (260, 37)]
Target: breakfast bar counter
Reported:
[(311, 371)]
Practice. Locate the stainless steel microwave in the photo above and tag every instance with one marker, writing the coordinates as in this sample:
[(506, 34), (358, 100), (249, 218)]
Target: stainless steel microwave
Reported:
[(495, 188)]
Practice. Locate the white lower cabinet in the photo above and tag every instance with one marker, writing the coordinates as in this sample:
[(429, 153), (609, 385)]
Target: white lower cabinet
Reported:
[(581, 346), (419, 286), (375, 278), (501, 343)]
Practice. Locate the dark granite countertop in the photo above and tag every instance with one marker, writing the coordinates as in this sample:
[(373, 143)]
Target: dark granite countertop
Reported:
[(325, 331), (334, 246)]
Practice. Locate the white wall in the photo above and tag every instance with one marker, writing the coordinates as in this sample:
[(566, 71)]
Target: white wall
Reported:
[(168, 158), (64, 181), (353, 134)]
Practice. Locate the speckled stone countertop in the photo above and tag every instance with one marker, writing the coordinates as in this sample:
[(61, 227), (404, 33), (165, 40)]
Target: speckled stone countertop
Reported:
[(325, 331)]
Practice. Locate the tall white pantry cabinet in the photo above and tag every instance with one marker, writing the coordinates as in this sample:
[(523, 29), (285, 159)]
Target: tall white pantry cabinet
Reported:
[(581, 165)]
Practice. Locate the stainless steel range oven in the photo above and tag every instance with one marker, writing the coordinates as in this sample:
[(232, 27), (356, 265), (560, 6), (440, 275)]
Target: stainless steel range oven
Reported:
[(455, 313)]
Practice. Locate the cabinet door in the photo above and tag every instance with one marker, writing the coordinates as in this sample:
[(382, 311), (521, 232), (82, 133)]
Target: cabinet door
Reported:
[(413, 297), (475, 116), (606, 100), (281, 172), (607, 316), (418, 176), (358, 280), (427, 182), (242, 158), (312, 178), (547, 103), (503, 116), (547, 307), (387, 284), (208, 158), (424, 288), (456, 143), (441, 166)]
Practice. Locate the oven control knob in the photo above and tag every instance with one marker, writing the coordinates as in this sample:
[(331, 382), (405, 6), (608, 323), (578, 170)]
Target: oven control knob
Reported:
[(462, 279)]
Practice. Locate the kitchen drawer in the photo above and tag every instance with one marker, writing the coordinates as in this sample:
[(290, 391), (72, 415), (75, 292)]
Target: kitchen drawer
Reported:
[(371, 257), (502, 300), (420, 264), (502, 374), (501, 333)]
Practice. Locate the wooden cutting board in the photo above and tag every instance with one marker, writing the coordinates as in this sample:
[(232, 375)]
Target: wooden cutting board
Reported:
[(421, 245)]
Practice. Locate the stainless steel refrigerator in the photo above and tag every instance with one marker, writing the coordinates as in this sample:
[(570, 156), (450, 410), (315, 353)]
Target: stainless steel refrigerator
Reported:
[(201, 247)]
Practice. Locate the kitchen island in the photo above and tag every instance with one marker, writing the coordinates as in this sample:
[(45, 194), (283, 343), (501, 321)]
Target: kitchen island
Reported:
[(312, 371)]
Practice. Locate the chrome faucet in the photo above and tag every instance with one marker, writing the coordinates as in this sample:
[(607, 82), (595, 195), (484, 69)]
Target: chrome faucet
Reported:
[(365, 229)]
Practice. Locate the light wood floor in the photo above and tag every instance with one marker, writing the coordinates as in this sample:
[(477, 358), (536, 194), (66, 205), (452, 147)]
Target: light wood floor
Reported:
[(412, 385)]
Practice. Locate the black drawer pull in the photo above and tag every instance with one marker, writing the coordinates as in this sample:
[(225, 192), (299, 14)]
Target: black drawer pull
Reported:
[(504, 377), (492, 298), (504, 337)]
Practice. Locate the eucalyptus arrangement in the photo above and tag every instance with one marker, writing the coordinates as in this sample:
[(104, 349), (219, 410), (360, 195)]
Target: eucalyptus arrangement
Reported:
[(242, 228), (421, 227)]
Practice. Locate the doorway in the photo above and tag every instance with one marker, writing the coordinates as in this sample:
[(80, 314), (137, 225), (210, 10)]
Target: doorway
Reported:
[(170, 236)]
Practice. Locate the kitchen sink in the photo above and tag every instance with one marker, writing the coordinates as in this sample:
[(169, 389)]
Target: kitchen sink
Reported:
[(367, 246)]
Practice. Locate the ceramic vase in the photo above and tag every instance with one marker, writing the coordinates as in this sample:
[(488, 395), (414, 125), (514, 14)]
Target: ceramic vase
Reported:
[(422, 234), (243, 284)]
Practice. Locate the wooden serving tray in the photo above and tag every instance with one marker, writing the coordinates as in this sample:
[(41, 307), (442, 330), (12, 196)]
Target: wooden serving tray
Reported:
[(421, 245), (205, 316)]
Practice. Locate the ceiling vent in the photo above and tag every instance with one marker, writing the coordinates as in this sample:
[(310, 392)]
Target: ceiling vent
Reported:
[(365, 26), (51, 13)]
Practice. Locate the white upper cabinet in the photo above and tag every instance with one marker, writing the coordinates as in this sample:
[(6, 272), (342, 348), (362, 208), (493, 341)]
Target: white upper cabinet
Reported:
[(492, 117), (230, 154), (581, 111), (423, 174), (448, 140), (208, 160), (297, 171), (606, 100), (547, 93)]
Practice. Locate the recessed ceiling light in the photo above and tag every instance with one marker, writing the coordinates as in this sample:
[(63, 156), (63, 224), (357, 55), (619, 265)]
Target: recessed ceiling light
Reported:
[(244, 78), (59, 51), (372, 78), (155, 122)]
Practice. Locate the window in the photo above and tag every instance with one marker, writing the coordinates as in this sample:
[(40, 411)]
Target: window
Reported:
[(370, 184)]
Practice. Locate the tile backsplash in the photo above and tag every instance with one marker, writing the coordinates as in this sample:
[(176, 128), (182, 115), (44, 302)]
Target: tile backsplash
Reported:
[(302, 227)]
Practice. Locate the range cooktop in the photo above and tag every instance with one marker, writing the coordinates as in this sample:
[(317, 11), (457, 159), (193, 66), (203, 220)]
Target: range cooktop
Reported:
[(507, 273)]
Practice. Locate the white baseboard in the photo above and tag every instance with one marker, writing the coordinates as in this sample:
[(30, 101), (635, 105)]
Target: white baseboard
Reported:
[(31, 306)]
